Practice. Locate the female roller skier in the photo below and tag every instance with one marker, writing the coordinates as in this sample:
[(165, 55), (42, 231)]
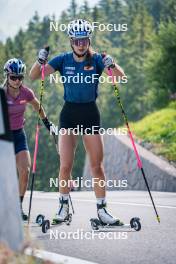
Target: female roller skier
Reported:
[(18, 96), (80, 109)]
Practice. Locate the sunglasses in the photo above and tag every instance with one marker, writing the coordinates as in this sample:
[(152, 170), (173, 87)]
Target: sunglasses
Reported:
[(16, 77), (80, 42)]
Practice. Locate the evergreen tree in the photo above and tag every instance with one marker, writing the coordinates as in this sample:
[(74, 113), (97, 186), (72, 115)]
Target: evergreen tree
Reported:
[(72, 10), (3, 59), (85, 9), (160, 67), (162, 11), (136, 44)]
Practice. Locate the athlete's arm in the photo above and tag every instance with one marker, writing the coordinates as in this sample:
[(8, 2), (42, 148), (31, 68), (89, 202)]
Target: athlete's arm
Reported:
[(35, 72), (36, 105)]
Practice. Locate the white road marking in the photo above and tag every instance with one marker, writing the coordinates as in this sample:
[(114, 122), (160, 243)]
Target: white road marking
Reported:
[(41, 196), (133, 204), (56, 258)]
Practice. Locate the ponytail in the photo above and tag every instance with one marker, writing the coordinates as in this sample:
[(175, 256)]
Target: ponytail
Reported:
[(89, 55)]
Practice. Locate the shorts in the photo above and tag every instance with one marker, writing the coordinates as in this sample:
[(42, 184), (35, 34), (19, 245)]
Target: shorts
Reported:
[(82, 117), (20, 140)]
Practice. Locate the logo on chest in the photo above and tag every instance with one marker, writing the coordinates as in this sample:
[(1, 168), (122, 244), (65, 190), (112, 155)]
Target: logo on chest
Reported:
[(9, 102), (69, 69), (88, 68), (22, 102)]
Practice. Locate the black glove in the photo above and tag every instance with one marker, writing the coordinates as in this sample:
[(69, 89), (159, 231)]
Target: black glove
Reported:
[(47, 123)]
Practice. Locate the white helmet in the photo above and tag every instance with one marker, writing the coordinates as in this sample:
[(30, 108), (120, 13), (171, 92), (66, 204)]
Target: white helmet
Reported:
[(15, 66), (79, 28)]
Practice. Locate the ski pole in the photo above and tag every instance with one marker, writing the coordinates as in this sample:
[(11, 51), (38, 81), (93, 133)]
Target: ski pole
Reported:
[(36, 139), (139, 162), (55, 142), (71, 204)]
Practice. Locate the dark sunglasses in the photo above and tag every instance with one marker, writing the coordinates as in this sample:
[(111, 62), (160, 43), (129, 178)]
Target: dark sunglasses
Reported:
[(16, 77), (80, 42)]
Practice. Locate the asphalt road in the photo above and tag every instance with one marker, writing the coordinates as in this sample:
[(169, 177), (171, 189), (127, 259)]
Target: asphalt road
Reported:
[(155, 243)]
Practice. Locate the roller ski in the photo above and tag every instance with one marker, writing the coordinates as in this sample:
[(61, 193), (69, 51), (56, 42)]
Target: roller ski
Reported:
[(24, 216), (63, 216), (107, 221)]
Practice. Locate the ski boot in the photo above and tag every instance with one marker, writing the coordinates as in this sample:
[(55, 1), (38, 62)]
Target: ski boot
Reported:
[(63, 214), (104, 219)]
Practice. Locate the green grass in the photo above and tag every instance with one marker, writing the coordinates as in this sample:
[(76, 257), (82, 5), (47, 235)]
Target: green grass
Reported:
[(159, 128)]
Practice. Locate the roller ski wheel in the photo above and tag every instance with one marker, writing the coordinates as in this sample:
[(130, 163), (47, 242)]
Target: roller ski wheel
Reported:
[(39, 219), (69, 219), (45, 226), (95, 223), (24, 217), (135, 223)]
